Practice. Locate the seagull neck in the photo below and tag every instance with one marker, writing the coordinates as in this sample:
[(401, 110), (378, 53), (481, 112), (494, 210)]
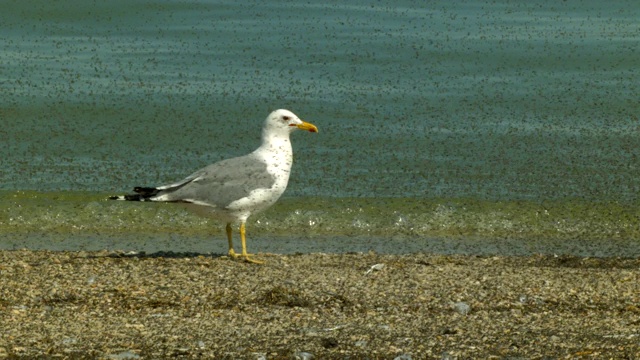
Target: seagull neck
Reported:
[(275, 143)]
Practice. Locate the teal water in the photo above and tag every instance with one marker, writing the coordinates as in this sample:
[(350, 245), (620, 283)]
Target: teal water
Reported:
[(490, 121)]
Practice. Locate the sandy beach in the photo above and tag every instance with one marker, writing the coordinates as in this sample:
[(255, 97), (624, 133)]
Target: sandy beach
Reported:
[(421, 306)]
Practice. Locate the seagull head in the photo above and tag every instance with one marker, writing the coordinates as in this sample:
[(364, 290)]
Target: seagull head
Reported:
[(284, 121)]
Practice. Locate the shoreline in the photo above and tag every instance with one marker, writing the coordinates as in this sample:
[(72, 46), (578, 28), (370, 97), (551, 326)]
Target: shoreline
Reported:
[(215, 244), (111, 305)]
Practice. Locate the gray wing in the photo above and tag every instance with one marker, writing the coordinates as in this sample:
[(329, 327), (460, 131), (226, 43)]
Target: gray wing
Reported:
[(220, 184)]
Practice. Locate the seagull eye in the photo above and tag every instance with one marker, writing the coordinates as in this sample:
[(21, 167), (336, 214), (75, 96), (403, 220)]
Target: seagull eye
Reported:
[(286, 118)]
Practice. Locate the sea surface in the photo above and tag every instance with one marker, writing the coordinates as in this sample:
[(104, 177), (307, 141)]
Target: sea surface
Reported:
[(476, 127)]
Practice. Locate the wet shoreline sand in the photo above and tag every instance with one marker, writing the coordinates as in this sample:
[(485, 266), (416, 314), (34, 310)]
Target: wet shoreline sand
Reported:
[(124, 306)]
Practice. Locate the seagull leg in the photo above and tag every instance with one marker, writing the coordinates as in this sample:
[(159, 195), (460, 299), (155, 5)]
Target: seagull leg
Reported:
[(232, 253), (245, 255)]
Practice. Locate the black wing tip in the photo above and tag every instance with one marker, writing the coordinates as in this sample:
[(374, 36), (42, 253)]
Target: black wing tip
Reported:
[(145, 191), (142, 193)]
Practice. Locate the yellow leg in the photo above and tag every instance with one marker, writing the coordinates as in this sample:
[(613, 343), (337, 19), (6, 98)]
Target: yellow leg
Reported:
[(245, 255), (232, 253)]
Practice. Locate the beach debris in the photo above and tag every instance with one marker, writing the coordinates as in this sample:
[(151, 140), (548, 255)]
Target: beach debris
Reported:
[(447, 356), (403, 357), (335, 328), (125, 355), (530, 300), (361, 343), (69, 341), (376, 267), (302, 355), (461, 308)]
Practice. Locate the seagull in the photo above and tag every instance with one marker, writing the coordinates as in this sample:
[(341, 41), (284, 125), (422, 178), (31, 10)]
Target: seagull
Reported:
[(231, 190)]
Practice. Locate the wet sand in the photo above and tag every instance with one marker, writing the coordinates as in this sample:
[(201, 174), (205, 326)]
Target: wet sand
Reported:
[(134, 306)]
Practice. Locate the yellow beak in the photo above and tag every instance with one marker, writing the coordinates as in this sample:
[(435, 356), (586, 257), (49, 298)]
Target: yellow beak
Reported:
[(307, 126)]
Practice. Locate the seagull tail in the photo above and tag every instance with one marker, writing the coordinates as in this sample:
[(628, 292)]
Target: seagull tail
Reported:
[(142, 194)]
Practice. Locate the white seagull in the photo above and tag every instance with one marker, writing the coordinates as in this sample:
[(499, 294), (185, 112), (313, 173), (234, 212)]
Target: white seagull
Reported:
[(231, 190)]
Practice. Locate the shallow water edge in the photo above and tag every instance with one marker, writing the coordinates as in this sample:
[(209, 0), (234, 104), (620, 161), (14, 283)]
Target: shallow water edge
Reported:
[(216, 245), (73, 221)]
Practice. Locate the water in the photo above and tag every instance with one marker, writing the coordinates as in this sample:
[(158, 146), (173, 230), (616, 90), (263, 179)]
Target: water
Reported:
[(471, 126)]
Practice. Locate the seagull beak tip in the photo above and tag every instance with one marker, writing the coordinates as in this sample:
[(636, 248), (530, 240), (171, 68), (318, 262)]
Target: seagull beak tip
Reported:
[(308, 126)]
